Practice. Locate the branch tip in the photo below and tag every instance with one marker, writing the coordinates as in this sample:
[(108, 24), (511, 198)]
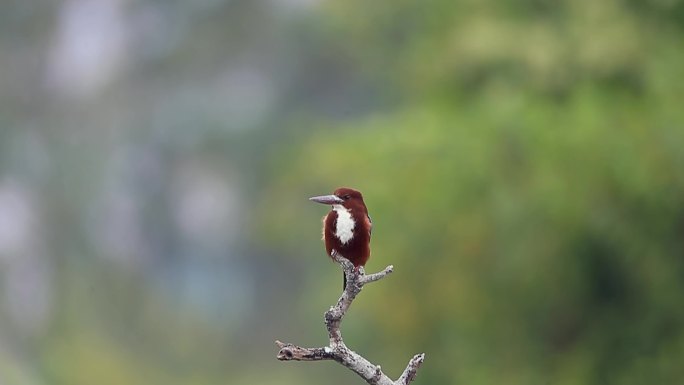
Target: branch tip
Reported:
[(411, 369)]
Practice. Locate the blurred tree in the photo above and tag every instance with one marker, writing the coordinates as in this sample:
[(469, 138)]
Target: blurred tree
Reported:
[(529, 177)]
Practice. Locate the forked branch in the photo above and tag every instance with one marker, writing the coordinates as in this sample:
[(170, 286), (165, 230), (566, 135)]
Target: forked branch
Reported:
[(337, 350)]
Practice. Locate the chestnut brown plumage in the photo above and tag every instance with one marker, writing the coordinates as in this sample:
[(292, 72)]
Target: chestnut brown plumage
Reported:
[(347, 227)]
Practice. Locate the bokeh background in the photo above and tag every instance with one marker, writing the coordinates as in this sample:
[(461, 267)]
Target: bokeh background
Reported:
[(523, 162)]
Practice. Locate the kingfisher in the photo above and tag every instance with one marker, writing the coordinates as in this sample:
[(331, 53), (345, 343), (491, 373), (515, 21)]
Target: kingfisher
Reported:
[(347, 227)]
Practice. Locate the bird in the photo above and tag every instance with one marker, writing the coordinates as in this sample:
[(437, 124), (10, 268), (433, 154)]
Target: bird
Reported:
[(347, 227)]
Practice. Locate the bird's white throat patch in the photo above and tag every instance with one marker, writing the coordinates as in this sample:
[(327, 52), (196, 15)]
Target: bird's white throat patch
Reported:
[(344, 230)]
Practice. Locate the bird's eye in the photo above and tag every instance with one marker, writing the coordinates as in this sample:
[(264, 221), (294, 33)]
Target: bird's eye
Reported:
[(346, 197)]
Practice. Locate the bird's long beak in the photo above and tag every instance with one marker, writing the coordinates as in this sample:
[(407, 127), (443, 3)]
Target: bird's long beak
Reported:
[(327, 199)]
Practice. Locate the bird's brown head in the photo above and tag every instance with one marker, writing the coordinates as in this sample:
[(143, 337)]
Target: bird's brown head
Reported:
[(344, 196)]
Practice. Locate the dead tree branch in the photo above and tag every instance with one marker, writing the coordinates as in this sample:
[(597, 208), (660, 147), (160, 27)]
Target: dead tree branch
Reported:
[(337, 350)]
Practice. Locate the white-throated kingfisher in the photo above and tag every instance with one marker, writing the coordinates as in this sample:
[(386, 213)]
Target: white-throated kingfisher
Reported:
[(347, 227)]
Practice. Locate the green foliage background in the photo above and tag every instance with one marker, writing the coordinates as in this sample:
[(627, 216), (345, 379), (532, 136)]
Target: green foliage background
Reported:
[(522, 162), (529, 185)]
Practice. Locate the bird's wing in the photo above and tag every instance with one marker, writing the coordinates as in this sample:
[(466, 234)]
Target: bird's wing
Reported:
[(370, 222)]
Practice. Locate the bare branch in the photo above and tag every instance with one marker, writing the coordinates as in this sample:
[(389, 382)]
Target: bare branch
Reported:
[(378, 276), (337, 350), (289, 352), (411, 369)]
